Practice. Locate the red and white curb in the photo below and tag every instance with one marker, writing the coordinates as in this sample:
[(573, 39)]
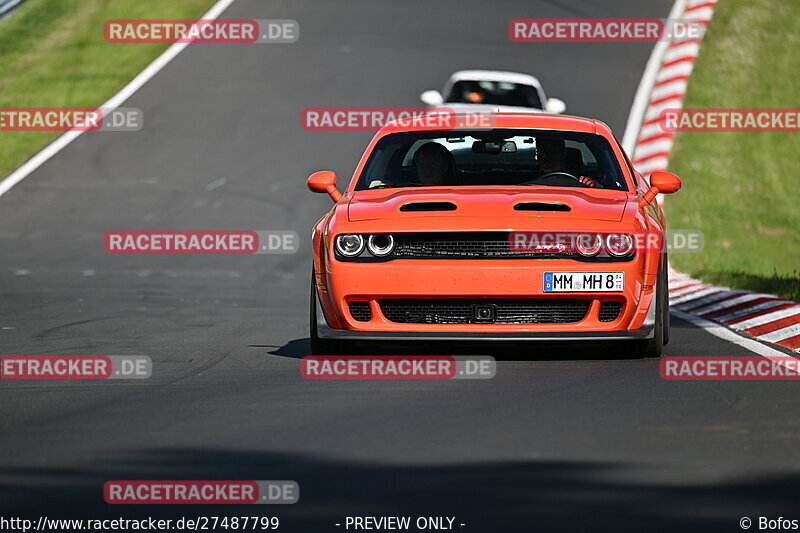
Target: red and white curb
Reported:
[(764, 317), (653, 145)]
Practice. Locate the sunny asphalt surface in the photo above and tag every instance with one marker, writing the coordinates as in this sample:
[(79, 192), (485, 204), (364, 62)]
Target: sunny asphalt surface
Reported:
[(562, 438)]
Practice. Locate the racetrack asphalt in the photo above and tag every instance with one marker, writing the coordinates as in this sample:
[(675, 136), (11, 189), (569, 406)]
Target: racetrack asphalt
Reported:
[(563, 438)]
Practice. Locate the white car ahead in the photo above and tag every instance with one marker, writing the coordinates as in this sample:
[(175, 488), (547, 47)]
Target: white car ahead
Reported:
[(492, 90)]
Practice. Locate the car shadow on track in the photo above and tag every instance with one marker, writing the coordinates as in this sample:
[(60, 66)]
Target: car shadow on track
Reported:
[(502, 351), (503, 496)]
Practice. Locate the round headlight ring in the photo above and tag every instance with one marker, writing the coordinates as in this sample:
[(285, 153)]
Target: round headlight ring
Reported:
[(619, 244), (588, 244), (350, 244), (380, 245)]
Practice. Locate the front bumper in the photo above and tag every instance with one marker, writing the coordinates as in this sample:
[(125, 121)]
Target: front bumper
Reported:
[(340, 283), (325, 331)]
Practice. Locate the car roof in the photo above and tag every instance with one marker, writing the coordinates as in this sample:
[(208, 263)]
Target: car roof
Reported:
[(494, 75), (539, 121)]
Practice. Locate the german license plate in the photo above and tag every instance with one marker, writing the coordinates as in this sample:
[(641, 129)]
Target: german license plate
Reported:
[(583, 281)]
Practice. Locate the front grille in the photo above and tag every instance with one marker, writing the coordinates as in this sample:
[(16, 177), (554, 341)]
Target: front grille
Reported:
[(504, 311), (477, 245), (609, 311), (360, 311), (458, 246)]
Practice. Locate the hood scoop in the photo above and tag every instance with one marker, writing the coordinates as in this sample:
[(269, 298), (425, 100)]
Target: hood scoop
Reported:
[(541, 206), (428, 206)]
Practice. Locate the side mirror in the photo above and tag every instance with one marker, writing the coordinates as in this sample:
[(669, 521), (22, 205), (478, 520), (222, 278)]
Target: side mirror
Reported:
[(324, 181), (661, 182), (555, 106), (432, 98)]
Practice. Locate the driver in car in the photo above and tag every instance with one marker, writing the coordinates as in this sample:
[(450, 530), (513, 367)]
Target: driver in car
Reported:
[(551, 153), (474, 94), (431, 164)]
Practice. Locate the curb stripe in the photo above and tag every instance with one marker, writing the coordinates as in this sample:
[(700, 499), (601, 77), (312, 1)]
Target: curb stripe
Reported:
[(756, 312), (762, 316), (772, 322)]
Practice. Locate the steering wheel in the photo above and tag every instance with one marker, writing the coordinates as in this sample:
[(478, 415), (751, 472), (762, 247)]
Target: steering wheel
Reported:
[(567, 174), (399, 184), (543, 176)]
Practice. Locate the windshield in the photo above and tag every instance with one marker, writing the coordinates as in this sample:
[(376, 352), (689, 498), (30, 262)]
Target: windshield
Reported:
[(492, 157), (494, 93)]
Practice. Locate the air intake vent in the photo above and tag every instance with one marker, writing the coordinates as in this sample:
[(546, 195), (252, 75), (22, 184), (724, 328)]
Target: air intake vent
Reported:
[(465, 311), (428, 206), (360, 311), (609, 311), (540, 206)]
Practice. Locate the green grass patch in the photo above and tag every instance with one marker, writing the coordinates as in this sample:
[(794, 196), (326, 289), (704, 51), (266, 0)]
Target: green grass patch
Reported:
[(54, 54), (741, 189)]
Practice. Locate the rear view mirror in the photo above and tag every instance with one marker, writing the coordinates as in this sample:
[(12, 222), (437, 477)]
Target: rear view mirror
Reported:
[(661, 182), (432, 98), (493, 147), (324, 181), (555, 106), (665, 182)]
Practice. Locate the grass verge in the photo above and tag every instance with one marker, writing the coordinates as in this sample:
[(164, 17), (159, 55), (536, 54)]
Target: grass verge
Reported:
[(54, 54), (741, 189)]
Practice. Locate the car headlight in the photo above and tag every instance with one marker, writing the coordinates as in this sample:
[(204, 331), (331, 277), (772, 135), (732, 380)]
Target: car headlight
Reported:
[(619, 244), (380, 245), (350, 245), (588, 244)]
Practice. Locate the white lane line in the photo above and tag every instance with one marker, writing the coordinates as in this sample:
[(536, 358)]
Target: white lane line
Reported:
[(114, 102), (767, 318), (726, 334)]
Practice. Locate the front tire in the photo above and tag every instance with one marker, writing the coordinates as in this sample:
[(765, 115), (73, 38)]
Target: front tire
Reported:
[(655, 347), (665, 279), (323, 346)]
